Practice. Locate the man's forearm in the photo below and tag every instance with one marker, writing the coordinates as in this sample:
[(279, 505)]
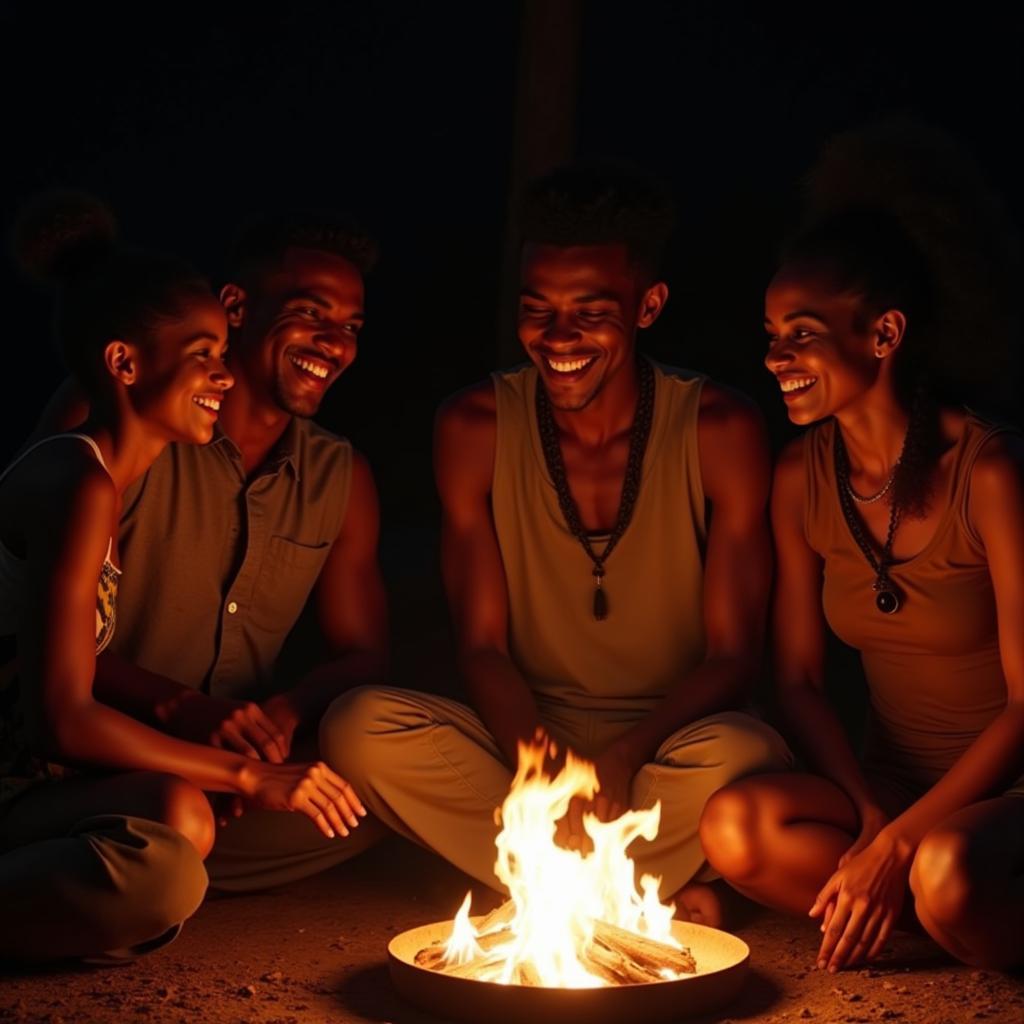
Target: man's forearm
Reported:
[(718, 684), (311, 696), (501, 697), (144, 695)]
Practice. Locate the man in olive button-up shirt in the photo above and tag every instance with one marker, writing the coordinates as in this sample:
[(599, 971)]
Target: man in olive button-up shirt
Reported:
[(224, 544)]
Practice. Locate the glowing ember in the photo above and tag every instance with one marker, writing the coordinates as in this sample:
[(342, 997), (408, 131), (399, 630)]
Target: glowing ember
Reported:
[(575, 920)]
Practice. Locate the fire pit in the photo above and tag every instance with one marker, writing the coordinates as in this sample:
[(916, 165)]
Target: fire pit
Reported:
[(721, 966), (578, 941)]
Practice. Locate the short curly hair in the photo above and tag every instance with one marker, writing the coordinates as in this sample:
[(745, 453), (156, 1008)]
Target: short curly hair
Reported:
[(261, 244), (598, 204)]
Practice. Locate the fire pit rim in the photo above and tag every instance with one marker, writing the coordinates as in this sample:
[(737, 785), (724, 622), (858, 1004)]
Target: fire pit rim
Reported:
[(511, 1004)]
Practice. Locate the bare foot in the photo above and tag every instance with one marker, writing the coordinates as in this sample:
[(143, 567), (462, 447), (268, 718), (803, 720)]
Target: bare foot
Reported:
[(700, 904)]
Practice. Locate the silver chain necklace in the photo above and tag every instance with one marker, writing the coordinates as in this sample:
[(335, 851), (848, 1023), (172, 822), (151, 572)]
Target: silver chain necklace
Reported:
[(877, 496)]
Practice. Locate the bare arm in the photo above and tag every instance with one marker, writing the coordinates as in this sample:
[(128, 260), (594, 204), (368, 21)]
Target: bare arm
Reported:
[(736, 472), (351, 607), (67, 537), (474, 577), (67, 545), (798, 630), (996, 757)]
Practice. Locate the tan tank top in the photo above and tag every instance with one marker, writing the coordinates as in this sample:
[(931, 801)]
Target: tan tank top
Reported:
[(654, 633), (932, 668)]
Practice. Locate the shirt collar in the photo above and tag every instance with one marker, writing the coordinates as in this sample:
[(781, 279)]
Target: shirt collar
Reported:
[(285, 452)]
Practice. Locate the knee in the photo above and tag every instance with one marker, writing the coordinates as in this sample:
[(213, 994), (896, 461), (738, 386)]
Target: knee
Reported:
[(747, 746), (184, 808), (177, 884), (347, 728), (941, 878), (730, 833)]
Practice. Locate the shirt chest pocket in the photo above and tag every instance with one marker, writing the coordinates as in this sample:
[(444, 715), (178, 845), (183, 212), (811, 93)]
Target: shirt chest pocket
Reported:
[(289, 572)]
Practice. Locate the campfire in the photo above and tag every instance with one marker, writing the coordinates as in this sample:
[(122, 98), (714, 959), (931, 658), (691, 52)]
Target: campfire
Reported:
[(575, 920), (578, 939)]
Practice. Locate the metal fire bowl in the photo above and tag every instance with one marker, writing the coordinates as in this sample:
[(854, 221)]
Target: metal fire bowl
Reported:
[(722, 961)]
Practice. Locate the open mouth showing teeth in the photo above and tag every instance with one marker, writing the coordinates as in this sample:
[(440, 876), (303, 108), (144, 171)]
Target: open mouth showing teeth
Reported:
[(207, 402), (318, 370), (569, 365), (797, 385)]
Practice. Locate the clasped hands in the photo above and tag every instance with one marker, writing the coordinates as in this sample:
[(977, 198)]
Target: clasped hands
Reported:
[(264, 733), (862, 901)]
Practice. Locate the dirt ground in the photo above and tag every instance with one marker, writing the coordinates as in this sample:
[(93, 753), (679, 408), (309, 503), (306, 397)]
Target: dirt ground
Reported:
[(314, 953)]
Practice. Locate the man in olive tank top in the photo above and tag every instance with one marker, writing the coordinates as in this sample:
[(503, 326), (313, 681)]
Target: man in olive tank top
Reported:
[(593, 598)]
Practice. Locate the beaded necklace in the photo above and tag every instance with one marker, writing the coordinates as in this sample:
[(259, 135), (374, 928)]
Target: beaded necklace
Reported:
[(639, 432)]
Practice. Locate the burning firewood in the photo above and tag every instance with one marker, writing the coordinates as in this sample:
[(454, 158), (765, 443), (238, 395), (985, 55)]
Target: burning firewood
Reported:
[(644, 952), (617, 956), (500, 917), (547, 935), (433, 957)]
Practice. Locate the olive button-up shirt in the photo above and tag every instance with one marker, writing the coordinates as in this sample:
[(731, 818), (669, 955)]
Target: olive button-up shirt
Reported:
[(218, 567)]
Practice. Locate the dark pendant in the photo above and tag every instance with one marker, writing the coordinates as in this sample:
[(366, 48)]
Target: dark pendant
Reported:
[(600, 603), (887, 600)]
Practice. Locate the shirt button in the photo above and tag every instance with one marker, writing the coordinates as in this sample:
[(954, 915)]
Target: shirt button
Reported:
[(232, 607)]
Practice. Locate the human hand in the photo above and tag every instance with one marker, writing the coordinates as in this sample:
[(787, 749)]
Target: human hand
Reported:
[(238, 725), (861, 902), (615, 774), (872, 821), (281, 711), (312, 789), (226, 807)]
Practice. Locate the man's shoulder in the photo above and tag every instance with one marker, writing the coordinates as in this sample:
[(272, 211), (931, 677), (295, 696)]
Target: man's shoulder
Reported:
[(470, 407), (317, 443)]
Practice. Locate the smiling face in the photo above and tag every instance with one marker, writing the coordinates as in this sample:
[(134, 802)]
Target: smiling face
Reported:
[(579, 310), (825, 350), (299, 329), (181, 377)]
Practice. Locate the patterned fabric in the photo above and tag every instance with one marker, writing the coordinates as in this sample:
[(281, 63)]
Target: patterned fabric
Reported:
[(19, 768)]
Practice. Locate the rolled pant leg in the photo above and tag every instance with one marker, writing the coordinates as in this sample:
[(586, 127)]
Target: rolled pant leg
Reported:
[(689, 766), (113, 883), (426, 766)]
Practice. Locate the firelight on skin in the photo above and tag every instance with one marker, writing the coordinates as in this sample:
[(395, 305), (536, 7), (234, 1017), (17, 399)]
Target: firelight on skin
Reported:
[(308, 316), (816, 347), (579, 309), (181, 375)]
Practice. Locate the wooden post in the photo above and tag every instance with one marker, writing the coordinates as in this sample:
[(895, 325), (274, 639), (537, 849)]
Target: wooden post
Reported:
[(544, 130)]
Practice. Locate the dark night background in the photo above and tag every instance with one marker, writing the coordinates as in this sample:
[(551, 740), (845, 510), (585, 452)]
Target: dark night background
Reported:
[(185, 119)]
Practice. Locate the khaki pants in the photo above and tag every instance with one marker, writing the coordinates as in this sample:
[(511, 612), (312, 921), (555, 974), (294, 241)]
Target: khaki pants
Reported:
[(426, 766), (112, 887), (263, 849)]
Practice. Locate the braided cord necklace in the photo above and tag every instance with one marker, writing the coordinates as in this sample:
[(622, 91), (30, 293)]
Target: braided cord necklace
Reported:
[(639, 432), (887, 595)]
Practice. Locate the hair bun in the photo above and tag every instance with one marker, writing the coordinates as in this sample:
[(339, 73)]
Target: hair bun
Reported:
[(61, 234)]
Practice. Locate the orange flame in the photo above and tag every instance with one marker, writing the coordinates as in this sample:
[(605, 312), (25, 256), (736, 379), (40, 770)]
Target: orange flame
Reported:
[(558, 893)]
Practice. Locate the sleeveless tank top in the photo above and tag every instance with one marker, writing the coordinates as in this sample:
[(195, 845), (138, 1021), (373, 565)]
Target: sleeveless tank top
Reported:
[(933, 671), (654, 632), (19, 769)]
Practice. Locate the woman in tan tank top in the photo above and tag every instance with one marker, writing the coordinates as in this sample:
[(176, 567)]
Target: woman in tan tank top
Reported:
[(899, 522)]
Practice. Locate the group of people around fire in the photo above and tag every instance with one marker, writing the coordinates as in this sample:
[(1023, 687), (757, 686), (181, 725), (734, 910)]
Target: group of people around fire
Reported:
[(617, 549)]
